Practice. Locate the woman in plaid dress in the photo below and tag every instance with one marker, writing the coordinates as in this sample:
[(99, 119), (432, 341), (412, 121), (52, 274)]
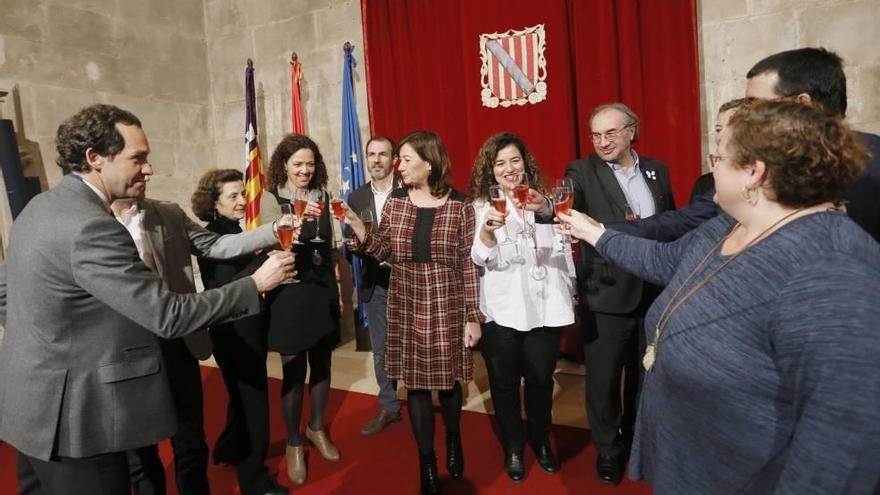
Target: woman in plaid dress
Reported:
[(433, 296)]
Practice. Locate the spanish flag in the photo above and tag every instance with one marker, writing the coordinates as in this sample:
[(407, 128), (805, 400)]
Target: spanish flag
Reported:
[(254, 179)]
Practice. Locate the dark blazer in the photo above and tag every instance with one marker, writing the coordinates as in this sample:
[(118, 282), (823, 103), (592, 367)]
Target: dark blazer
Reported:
[(609, 289), (82, 313), (359, 200), (863, 198)]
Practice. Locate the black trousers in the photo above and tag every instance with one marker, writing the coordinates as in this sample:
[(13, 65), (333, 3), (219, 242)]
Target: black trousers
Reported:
[(513, 357), (190, 449), (105, 474), (240, 351), (613, 346)]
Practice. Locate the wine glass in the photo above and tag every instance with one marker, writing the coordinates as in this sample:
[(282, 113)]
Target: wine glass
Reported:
[(631, 213), (499, 201), (285, 224), (367, 218), (562, 201), (521, 191), (337, 208), (317, 196)]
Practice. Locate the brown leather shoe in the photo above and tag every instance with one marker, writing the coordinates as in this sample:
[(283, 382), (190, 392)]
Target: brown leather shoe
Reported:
[(378, 423), (325, 446), (296, 464)]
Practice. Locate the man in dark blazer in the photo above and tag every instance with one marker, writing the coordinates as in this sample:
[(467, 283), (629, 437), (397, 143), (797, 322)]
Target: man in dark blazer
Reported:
[(613, 302), (812, 75), (381, 154), (83, 379), (166, 237)]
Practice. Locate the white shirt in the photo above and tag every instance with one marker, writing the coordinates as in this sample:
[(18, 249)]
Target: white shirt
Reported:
[(379, 198), (510, 296), (133, 221)]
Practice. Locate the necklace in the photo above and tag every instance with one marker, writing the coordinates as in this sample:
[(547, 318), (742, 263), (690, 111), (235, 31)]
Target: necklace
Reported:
[(653, 349)]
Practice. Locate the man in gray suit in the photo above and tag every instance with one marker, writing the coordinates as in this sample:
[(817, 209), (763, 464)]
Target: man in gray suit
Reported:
[(83, 379), (165, 237)]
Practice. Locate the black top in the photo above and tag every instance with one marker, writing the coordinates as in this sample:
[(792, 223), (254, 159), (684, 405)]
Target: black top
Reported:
[(303, 313)]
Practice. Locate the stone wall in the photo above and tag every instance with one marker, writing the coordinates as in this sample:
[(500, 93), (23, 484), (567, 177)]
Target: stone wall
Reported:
[(735, 34), (268, 31), (148, 57)]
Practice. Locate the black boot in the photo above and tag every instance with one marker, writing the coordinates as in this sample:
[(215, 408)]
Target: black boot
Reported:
[(430, 478), (454, 455), (513, 464)]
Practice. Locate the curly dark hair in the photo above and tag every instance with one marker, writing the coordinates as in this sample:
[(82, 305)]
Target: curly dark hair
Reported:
[(285, 149), (429, 147), (208, 191), (92, 127), (483, 176), (811, 155)]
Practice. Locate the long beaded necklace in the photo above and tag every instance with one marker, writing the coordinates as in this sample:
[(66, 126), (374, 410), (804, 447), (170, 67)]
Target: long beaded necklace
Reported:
[(653, 349)]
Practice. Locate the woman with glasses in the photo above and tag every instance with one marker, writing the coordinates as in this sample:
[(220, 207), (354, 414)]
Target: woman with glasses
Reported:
[(304, 315), (526, 296), (762, 372)]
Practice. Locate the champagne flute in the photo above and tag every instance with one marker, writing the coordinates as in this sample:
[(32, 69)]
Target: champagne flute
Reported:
[(562, 201), (367, 218), (317, 196), (521, 191), (336, 206), (631, 213), (300, 201), (499, 201), (285, 226)]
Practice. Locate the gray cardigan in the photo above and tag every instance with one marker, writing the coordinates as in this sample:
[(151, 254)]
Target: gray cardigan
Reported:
[(767, 379)]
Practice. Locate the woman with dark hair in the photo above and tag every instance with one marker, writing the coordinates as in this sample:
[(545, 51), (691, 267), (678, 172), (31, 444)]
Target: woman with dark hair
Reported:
[(433, 303), (239, 346), (762, 356), (304, 316), (526, 303)]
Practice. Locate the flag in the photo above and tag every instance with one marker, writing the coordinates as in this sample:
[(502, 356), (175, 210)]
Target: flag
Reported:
[(254, 179), (296, 115), (352, 159)]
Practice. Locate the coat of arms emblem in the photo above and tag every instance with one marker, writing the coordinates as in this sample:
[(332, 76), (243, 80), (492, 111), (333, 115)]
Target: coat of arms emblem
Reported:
[(514, 68)]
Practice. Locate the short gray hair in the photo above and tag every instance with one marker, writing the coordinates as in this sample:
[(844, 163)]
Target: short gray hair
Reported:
[(632, 120)]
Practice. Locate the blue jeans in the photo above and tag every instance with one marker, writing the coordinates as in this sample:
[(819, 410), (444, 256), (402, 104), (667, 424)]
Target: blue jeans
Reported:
[(378, 319)]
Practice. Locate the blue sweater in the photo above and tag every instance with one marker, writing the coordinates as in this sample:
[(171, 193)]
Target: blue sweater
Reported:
[(768, 378)]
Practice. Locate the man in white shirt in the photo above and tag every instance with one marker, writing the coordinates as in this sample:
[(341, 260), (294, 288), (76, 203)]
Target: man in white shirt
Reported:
[(165, 238), (381, 155)]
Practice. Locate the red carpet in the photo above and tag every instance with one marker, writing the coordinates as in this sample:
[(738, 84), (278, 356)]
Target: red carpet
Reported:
[(387, 463)]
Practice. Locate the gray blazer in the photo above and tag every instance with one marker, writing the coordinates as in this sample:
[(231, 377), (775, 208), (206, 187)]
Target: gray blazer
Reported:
[(174, 237), (80, 364)]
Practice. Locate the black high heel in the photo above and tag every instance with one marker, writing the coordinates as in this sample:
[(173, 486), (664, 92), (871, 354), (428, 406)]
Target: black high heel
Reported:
[(429, 476), (454, 455)]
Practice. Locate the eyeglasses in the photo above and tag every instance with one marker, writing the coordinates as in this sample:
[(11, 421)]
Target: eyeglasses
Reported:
[(714, 159), (609, 135)]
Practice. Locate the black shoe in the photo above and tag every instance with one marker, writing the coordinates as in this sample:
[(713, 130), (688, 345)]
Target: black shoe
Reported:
[(513, 464), (610, 469), (454, 455), (546, 459), (428, 471)]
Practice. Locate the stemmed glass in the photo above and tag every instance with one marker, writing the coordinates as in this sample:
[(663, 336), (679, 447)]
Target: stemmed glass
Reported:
[(286, 229), (631, 213), (367, 218), (562, 201), (499, 202), (300, 200), (521, 191), (336, 207), (317, 196)]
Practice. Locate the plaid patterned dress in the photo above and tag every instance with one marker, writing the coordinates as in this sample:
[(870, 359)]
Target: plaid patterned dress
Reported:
[(434, 289)]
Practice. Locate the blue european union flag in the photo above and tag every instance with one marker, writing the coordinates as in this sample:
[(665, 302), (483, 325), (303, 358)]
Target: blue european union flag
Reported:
[(352, 159)]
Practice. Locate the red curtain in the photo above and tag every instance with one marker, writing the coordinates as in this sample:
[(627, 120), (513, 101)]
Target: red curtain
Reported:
[(423, 72)]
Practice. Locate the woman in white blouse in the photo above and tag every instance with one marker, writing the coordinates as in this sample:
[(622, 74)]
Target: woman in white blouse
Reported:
[(526, 295)]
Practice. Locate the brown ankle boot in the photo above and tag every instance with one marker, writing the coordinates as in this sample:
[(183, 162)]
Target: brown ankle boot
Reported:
[(324, 445), (296, 464)]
